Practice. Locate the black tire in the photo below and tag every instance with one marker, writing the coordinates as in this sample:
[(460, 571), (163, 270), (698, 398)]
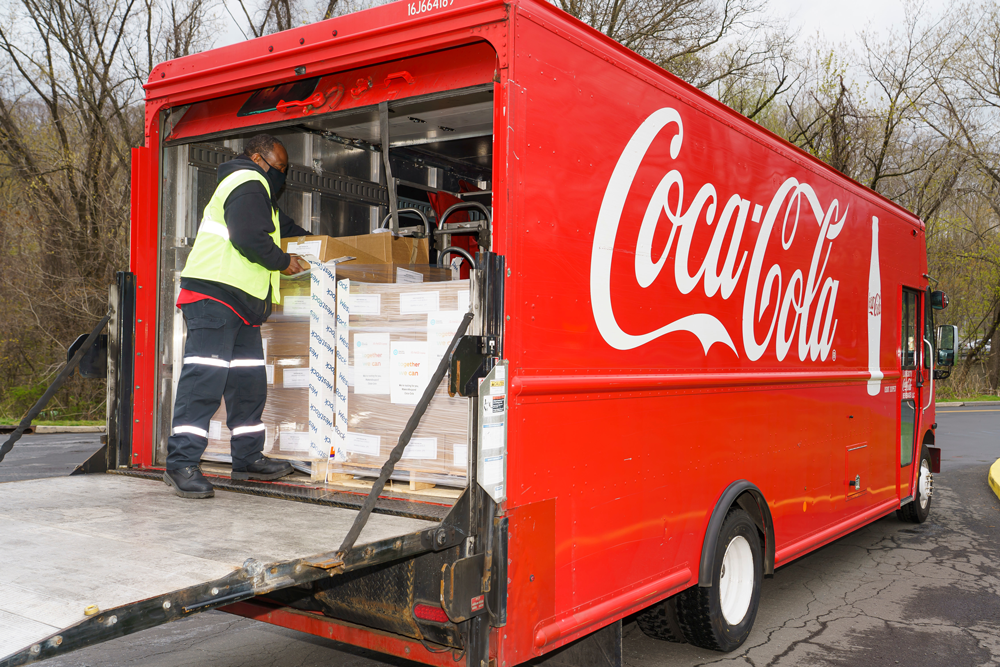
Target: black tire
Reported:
[(700, 610), (660, 621), (919, 508)]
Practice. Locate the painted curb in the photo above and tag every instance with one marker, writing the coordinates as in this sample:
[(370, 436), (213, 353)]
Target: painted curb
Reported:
[(994, 477), (69, 429)]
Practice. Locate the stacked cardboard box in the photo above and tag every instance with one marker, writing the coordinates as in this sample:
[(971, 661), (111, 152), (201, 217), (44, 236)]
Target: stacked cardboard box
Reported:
[(398, 333)]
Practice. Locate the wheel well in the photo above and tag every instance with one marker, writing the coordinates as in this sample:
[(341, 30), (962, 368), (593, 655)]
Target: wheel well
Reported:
[(748, 497), (929, 437)]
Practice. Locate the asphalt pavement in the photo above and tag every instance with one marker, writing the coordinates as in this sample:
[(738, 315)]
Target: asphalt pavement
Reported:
[(50, 455), (892, 593)]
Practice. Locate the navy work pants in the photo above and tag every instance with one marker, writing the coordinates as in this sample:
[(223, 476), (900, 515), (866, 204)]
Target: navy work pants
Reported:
[(223, 357)]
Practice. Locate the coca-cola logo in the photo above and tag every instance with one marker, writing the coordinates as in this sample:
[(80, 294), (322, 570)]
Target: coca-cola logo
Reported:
[(875, 305), (784, 306)]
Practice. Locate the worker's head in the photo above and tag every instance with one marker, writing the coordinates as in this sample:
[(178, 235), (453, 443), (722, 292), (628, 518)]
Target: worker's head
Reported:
[(270, 155)]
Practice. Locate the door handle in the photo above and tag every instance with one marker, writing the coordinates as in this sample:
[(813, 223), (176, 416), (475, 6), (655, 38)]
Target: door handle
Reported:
[(404, 75), (930, 394), (307, 105)]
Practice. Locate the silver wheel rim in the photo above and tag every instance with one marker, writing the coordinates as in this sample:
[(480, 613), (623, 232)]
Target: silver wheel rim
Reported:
[(924, 487), (736, 581)]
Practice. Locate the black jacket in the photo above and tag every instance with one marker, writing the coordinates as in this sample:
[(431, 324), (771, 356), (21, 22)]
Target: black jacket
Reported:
[(248, 219)]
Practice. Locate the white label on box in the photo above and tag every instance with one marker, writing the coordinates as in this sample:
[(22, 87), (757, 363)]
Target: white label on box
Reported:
[(289, 441), (492, 470), (496, 386), (407, 376), (371, 361), (407, 276), (264, 345), (501, 373), (492, 436), (360, 443), (269, 371), (461, 455), (441, 328), (297, 306), (366, 304), (463, 301), (416, 303), (295, 378), (421, 448), (215, 430), (304, 248)]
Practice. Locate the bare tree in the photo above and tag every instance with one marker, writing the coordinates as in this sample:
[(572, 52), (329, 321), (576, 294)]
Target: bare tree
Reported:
[(70, 110), (731, 48), (268, 16)]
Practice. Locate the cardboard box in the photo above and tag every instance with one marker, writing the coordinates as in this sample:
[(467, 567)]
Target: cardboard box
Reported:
[(289, 373), (378, 406), (366, 249), (295, 298), (285, 339)]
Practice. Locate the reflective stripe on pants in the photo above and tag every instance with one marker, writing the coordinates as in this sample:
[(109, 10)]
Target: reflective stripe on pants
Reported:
[(223, 358)]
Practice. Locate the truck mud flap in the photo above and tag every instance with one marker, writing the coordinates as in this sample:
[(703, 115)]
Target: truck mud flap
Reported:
[(91, 558)]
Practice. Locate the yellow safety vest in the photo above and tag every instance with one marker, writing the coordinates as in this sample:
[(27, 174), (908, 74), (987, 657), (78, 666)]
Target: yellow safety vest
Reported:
[(215, 258)]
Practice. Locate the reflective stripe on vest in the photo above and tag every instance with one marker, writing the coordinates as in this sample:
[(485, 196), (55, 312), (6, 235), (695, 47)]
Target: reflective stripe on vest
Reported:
[(215, 258)]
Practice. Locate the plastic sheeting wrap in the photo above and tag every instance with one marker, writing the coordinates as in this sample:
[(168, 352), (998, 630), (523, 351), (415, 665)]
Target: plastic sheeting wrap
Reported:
[(397, 335), (286, 413)]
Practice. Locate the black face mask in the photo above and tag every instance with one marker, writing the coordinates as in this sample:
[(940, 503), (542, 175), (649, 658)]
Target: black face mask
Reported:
[(275, 179)]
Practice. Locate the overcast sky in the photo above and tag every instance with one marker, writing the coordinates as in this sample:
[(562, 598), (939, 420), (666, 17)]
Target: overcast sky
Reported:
[(837, 21), (840, 21)]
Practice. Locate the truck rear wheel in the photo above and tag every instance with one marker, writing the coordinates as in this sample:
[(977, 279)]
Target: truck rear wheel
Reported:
[(721, 616), (919, 509), (659, 621)]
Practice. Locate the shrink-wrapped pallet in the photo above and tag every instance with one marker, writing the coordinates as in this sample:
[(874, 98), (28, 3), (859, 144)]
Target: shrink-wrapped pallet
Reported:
[(397, 335), (286, 412)]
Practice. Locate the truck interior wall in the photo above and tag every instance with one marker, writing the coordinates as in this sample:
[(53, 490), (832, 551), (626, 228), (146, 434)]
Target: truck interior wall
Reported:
[(426, 162), (661, 431)]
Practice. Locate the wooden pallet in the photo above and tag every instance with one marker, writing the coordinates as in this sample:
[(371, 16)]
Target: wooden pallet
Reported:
[(412, 487)]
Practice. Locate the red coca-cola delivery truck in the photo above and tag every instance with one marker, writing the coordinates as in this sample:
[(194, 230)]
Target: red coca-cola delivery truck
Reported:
[(694, 353)]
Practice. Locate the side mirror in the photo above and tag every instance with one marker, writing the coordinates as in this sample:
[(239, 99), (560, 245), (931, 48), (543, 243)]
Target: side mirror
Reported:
[(947, 335), (939, 300)]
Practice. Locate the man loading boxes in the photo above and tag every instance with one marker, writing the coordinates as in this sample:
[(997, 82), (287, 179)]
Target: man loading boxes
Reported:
[(227, 286)]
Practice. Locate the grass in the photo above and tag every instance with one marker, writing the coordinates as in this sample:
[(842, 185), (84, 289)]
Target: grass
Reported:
[(967, 398), (65, 422)]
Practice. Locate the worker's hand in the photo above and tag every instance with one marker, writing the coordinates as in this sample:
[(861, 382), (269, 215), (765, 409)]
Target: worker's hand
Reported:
[(296, 265)]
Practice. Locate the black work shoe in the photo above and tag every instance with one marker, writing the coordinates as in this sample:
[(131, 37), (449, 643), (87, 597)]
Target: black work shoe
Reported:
[(265, 468), (189, 482)]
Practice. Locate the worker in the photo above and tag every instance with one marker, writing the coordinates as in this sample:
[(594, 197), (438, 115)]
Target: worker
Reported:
[(227, 287)]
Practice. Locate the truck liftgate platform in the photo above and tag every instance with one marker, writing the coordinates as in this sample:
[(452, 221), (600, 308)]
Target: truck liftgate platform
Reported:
[(89, 558)]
